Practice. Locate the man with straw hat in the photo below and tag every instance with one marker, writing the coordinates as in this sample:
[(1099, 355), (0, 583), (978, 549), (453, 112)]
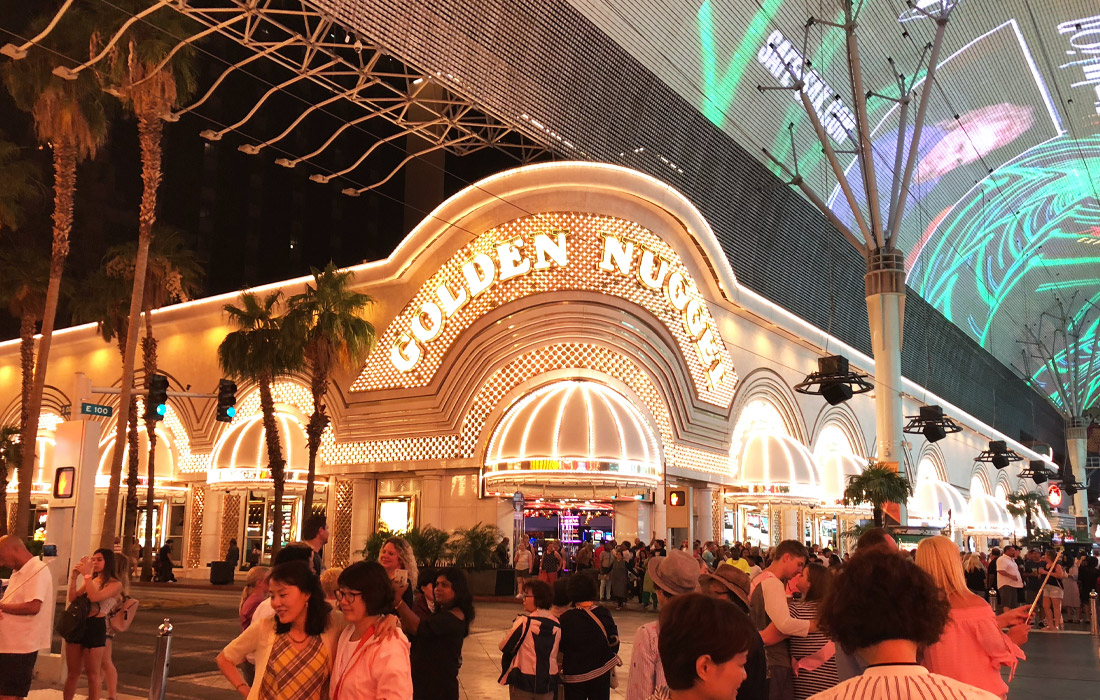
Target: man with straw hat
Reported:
[(728, 582)]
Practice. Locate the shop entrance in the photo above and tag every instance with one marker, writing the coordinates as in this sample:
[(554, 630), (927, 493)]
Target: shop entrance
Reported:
[(260, 523), (571, 524)]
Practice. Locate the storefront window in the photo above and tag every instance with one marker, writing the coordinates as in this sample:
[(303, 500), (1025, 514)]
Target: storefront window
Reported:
[(394, 514)]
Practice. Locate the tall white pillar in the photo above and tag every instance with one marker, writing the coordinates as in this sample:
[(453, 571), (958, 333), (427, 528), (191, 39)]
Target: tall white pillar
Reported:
[(1077, 445), (659, 521), (885, 285), (703, 503)]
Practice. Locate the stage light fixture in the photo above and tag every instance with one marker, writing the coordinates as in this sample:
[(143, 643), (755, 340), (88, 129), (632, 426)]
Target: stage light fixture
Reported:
[(998, 455), (931, 423), (834, 381)]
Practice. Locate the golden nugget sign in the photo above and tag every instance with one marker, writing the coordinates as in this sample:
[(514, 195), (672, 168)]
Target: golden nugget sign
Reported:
[(601, 260)]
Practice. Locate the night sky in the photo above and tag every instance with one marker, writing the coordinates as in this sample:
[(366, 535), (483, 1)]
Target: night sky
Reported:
[(249, 220)]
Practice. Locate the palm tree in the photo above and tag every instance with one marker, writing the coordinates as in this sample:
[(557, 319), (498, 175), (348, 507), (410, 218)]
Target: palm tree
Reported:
[(150, 79), (1026, 506), (877, 485), (172, 275), (10, 451), (257, 351), (20, 184), (24, 278), (326, 322), (103, 298), (69, 116)]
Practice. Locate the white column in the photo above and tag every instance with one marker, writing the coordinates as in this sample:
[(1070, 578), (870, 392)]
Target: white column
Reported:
[(211, 530), (1077, 444), (659, 521), (431, 499), (364, 514), (885, 293), (703, 503), (789, 525)]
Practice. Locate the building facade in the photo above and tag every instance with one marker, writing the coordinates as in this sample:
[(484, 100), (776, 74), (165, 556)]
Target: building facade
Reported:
[(571, 332)]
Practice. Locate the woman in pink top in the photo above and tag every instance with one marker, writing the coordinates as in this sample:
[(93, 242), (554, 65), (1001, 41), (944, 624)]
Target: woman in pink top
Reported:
[(973, 648)]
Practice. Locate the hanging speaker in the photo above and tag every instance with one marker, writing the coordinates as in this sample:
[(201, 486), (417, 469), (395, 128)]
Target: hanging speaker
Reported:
[(836, 392)]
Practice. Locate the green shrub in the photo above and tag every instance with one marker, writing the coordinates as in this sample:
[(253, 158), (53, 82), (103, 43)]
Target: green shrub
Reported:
[(428, 543), (472, 547)]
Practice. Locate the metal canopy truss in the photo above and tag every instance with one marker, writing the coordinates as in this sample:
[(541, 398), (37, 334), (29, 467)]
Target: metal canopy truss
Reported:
[(357, 72), (316, 49)]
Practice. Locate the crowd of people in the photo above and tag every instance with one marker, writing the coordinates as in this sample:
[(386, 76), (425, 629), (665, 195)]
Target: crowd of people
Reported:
[(785, 623), (797, 622)]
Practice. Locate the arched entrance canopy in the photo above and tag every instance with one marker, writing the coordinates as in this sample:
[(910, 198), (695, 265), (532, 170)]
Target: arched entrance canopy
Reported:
[(573, 434)]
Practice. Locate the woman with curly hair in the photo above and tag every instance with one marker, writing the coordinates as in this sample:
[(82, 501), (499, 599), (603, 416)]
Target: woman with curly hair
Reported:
[(397, 558), (884, 608)]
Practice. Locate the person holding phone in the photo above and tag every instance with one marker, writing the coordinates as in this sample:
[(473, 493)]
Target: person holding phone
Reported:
[(95, 577), (396, 557)]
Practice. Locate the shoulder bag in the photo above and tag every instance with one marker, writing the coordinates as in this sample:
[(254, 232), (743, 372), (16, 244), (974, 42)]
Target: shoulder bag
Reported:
[(74, 620), (615, 660)]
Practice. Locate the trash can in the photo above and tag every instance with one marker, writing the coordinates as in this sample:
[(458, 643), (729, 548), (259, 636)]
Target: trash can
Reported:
[(221, 573)]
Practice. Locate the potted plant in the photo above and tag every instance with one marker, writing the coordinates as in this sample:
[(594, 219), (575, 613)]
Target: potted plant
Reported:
[(877, 485), (472, 549), (428, 543)]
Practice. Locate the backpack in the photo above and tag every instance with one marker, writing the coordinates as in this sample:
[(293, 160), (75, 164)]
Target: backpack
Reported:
[(123, 616), (74, 620), (531, 672)]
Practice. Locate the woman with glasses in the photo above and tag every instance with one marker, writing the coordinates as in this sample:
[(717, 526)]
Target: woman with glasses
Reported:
[(530, 647), (369, 665)]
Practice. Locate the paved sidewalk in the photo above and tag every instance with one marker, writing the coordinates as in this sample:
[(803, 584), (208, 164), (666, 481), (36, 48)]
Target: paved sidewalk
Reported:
[(1059, 666)]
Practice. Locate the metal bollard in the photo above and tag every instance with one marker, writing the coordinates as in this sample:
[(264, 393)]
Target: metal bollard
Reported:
[(1092, 614), (158, 684), (993, 599)]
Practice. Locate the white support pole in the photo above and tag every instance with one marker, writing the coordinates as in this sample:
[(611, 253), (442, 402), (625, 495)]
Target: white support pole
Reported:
[(1077, 443)]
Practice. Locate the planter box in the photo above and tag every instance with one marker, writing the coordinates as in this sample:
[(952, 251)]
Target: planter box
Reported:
[(494, 582)]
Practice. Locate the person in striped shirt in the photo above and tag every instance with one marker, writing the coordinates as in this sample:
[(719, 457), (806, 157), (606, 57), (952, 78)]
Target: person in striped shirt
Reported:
[(885, 607)]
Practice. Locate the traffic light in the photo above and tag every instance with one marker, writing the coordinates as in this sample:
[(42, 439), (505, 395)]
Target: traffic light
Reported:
[(227, 400), (156, 403), (677, 498)]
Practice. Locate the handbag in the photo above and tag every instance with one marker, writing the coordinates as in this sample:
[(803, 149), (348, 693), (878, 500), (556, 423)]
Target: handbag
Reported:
[(74, 621), (617, 661)]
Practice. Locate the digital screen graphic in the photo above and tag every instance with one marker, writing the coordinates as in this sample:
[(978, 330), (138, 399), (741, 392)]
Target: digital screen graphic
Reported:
[(670, 87), (1001, 217)]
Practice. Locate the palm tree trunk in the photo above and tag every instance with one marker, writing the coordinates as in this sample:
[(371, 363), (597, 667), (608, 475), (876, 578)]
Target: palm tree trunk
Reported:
[(64, 167), (275, 462), (876, 513), (26, 356), (129, 519), (314, 430), (149, 356), (150, 130)]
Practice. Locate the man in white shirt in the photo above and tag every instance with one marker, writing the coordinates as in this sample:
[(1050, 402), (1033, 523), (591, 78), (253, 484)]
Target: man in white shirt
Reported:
[(24, 617), (1009, 581), (884, 607), (768, 605)]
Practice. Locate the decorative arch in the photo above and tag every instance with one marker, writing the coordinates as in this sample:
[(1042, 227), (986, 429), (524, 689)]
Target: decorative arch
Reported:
[(767, 385), (578, 195), (843, 419), (53, 401), (930, 463), (1003, 485), (981, 479)]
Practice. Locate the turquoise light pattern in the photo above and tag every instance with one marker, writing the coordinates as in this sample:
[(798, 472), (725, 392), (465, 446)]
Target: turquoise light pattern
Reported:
[(1031, 232)]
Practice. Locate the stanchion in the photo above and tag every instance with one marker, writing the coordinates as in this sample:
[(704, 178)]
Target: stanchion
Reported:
[(1092, 614), (993, 599), (158, 683)]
